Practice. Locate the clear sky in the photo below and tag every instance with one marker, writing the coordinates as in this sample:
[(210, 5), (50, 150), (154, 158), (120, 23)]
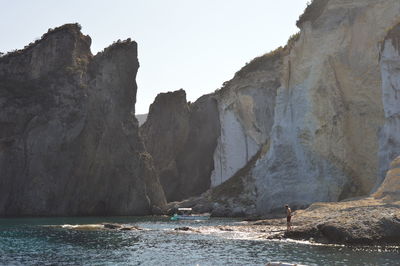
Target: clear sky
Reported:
[(191, 44)]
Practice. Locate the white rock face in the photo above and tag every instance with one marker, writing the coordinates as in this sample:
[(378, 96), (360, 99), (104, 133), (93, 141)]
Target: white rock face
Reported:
[(389, 137), (328, 109), (246, 110)]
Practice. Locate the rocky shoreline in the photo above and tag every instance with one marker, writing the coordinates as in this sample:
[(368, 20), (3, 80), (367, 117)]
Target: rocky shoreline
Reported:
[(373, 220)]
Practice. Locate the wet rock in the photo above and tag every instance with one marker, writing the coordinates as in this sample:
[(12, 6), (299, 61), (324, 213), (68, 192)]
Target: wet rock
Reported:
[(184, 228), (225, 229), (120, 227), (112, 226), (130, 228)]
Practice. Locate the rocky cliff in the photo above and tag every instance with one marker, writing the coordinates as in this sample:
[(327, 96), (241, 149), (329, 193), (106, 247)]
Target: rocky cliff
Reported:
[(69, 142), (246, 106), (369, 220), (316, 120), (324, 139), (181, 137), (324, 144), (389, 136)]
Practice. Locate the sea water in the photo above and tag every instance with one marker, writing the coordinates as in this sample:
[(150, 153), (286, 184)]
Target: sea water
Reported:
[(42, 241)]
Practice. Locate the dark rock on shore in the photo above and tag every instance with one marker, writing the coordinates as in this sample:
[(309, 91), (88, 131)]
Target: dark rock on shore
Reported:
[(187, 229), (181, 137), (120, 227), (69, 140)]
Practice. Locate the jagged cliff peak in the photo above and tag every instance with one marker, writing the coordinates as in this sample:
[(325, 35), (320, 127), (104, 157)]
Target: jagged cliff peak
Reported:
[(266, 62), (313, 10), (119, 45), (166, 98), (64, 48), (168, 105), (71, 29)]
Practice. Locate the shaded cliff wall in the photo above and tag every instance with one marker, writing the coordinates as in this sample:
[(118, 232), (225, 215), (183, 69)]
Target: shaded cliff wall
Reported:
[(328, 110), (181, 137), (69, 142), (389, 136)]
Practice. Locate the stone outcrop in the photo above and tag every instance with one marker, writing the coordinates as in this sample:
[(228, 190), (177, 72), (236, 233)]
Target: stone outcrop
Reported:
[(389, 190), (181, 137), (370, 220), (69, 141)]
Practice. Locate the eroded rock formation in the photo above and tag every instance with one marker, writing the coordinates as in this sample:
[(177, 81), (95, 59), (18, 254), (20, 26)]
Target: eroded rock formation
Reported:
[(370, 220), (69, 142), (246, 110), (246, 107), (389, 136), (307, 123), (182, 137), (324, 144)]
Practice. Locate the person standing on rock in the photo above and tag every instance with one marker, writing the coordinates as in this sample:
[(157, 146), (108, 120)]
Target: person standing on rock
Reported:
[(288, 217)]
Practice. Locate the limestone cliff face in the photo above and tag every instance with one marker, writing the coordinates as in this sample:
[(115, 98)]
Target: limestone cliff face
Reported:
[(315, 121), (182, 137), (69, 142), (328, 109), (389, 136), (246, 112)]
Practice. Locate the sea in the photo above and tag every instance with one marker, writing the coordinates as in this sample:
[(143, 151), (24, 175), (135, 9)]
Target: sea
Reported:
[(52, 241)]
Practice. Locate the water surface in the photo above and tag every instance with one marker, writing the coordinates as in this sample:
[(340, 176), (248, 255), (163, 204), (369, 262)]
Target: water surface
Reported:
[(32, 242)]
